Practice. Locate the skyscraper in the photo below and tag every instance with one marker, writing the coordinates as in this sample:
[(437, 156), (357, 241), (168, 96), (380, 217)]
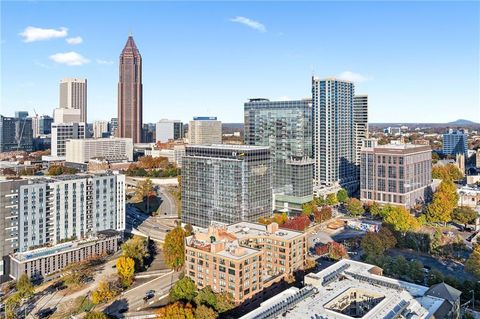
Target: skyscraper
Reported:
[(204, 130), (285, 126), (455, 142), (334, 144), (100, 128), (130, 103), (360, 118), (73, 95)]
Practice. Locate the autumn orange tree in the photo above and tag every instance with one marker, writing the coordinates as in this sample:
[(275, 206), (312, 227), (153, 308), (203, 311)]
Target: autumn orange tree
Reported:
[(125, 270), (447, 172), (176, 310), (325, 213), (355, 207), (297, 223), (444, 201), (173, 248), (105, 291)]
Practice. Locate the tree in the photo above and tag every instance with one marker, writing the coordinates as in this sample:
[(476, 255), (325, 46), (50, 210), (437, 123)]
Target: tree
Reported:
[(207, 297), (332, 250), (297, 223), (447, 172), (176, 310), (24, 286), (355, 207), (342, 196), (435, 158), (309, 208), (204, 312), (74, 274), (11, 305), (374, 209), (184, 289), (325, 213), (280, 219), (387, 237), (104, 292), (372, 244), (136, 249), (96, 315), (401, 220), (444, 202), (125, 270), (188, 229), (331, 199), (143, 190), (173, 248), (225, 302), (472, 265), (464, 215)]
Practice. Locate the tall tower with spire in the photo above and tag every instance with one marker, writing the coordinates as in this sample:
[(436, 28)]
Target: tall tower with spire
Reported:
[(130, 92)]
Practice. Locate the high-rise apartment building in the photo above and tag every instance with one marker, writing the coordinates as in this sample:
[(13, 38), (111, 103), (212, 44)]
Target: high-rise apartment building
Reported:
[(113, 149), (204, 130), (41, 125), (455, 142), (360, 119), (225, 183), (100, 128), (334, 143), (46, 211), (62, 132), (73, 95), (130, 93), (399, 174), (168, 130), (284, 126), (16, 134)]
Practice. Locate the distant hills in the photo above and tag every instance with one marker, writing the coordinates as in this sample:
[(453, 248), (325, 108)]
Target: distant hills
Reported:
[(462, 122)]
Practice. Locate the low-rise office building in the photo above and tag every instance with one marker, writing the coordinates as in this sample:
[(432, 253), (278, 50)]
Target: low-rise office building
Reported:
[(41, 262), (173, 153), (204, 130), (350, 289), (243, 258), (399, 174), (113, 149)]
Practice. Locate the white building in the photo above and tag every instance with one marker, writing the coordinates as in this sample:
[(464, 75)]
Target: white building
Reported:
[(100, 127), (350, 289), (73, 95), (62, 132), (205, 131), (112, 149), (168, 130), (61, 115), (69, 206), (174, 155)]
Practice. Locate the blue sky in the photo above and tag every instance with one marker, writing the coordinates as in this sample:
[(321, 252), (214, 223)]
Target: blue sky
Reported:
[(418, 61)]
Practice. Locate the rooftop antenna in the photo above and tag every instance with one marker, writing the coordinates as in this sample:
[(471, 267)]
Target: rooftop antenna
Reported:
[(130, 33)]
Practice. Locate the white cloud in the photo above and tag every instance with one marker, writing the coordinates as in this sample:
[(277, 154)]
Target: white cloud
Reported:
[(353, 77), (75, 40), (69, 58), (250, 23), (32, 34), (106, 62)]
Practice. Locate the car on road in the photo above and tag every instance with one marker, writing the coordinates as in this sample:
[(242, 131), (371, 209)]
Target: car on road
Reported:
[(45, 313), (149, 295)]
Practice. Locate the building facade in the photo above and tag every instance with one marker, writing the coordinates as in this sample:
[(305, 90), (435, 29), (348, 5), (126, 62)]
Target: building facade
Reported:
[(62, 132), (455, 142), (41, 125), (130, 93), (243, 258), (225, 183), (112, 149), (286, 127), (61, 115), (73, 95), (399, 174), (205, 131), (334, 142), (360, 118), (168, 130), (16, 134), (100, 128), (173, 154), (41, 262)]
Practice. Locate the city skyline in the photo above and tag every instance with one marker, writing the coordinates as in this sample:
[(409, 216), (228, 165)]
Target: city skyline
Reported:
[(403, 67)]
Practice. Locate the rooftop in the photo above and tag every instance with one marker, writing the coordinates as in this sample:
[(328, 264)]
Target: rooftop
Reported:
[(350, 289), (229, 147)]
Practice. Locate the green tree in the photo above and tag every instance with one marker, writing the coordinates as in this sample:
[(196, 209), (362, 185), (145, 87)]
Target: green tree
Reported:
[(435, 277), (96, 315), (388, 238), (188, 230), (184, 289), (125, 270), (355, 207), (472, 265), (464, 215), (415, 271), (342, 196), (435, 157), (401, 220), (375, 209), (372, 245), (174, 248), (24, 286), (11, 305), (331, 199), (225, 302), (309, 208), (204, 312), (136, 248), (207, 297)]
